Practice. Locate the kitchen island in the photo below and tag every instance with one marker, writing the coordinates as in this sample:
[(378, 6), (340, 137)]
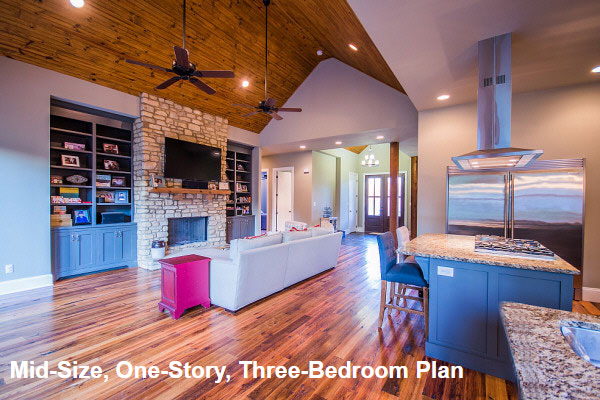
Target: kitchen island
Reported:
[(465, 292)]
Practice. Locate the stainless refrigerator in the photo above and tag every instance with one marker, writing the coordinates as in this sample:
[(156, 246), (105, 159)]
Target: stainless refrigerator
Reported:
[(543, 202)]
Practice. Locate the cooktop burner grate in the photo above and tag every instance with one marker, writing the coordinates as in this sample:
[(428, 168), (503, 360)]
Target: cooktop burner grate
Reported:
[(523, 248)]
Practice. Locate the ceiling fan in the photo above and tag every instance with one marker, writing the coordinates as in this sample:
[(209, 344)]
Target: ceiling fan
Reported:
[(184, 69), (267, 106)]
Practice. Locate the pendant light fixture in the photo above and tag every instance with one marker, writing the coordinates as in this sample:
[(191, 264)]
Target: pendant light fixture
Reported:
[(370, 160)]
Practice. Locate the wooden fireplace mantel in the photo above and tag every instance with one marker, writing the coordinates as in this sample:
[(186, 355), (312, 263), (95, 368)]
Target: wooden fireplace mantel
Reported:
[(178, 192)]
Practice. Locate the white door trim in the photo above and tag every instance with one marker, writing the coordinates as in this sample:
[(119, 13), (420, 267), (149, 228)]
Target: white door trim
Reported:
[(353, 176), (274, 195)]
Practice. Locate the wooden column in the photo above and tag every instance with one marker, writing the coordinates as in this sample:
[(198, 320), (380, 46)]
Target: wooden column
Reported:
[(393, 189), (414, 183)]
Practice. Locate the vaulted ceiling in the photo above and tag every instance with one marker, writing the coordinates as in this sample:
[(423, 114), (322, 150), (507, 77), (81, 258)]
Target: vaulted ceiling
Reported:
[(92, 42)]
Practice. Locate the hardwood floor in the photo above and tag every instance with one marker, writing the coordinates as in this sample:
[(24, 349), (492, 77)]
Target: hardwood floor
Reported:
[(105, 318)]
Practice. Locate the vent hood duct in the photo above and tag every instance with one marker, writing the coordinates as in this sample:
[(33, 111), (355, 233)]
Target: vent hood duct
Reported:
[(494, 97)]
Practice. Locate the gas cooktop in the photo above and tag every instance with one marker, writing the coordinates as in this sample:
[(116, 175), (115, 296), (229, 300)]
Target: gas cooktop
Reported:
[(512, 247)]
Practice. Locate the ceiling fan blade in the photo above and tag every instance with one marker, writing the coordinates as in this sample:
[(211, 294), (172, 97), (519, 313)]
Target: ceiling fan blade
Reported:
[(182, 57), (168, 82), (250, 114), (148, 65), (287, 109), (243, 105), (202, 86), (214, 74), (270, 102), (276, 116)]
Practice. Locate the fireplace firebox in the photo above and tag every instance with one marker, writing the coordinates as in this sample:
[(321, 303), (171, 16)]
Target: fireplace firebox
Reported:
[(187, 230)]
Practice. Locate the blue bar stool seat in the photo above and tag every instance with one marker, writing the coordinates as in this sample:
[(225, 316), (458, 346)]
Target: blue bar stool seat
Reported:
[(408, 274)]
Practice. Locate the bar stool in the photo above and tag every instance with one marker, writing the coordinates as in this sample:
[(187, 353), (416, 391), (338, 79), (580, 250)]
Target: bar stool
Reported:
[(408, 274)]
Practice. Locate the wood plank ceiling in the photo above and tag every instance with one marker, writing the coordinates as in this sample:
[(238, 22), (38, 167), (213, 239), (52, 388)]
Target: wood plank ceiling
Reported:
[(356, 149), (92, 42)]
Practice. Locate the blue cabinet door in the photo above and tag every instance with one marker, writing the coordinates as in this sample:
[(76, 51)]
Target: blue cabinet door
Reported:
[(128, 241), (107, 246), (61, 253), (83, 253), (458, 306)]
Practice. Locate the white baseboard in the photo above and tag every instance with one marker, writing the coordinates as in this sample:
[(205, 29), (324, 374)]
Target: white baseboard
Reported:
[(19, 285), (590, 294)]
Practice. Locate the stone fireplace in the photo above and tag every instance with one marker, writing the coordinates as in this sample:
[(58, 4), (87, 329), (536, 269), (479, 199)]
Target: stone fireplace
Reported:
[(162, 118), (187, 230)]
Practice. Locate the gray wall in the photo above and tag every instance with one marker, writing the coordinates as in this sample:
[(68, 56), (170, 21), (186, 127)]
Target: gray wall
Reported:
[(324, 178), (564, 122), (25, 157), (302, 182)]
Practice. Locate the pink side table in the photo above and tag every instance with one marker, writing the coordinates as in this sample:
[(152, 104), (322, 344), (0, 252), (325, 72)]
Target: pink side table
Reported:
[(184, 283)]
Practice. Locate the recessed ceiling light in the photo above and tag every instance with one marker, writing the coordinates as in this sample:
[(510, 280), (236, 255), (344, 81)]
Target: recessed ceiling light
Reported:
[(77, 3), (596, 70), (443, 97), (319, 52), (303, 147), (338, 142), (245, 84), (353, 47), (379, 137)]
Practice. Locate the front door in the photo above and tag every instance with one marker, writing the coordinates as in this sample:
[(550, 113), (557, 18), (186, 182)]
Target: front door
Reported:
[(377, 202), (375, 193)]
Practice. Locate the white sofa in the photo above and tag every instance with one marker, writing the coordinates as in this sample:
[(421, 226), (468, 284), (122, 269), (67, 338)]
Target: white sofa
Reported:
[(239, 279)]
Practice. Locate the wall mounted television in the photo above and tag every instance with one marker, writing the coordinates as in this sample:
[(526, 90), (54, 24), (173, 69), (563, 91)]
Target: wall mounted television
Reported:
[(191, 161)]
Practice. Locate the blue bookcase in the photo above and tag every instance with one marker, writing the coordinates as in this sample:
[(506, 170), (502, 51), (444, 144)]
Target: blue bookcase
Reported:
[(95, 144)]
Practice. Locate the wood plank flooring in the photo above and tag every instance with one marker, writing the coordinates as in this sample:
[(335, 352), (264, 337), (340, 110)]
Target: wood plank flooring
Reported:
[(105, 318)]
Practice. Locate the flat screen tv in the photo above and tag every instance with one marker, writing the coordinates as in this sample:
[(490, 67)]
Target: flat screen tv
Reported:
[(192, 161)]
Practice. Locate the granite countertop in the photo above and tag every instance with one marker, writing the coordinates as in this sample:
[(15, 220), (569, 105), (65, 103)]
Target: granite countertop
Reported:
[(462, 248), (545, 365)]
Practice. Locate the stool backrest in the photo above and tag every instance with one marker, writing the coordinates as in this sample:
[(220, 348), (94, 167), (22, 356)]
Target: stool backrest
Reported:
[(403, 236), (387, 251)]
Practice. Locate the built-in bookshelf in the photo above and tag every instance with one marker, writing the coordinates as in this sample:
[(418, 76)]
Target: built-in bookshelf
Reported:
[(239, 175), (90, 164)]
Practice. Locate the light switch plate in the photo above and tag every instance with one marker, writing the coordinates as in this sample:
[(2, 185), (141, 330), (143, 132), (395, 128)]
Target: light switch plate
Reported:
[(9, 268), (445, 271)]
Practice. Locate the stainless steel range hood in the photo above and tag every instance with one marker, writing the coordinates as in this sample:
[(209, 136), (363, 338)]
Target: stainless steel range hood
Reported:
[(494, 97)]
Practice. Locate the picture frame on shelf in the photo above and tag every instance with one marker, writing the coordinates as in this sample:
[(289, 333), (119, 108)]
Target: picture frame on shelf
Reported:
[(74, 146), (105, 196), (69, 161), (118, 181), (110, 148), (103, 180), (223, 185), (212, 186), (121, 196), (81, 217), (111, 165), (56, 180), (157, 181)]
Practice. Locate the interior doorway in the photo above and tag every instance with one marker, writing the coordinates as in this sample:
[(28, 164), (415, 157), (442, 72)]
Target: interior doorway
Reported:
[(377, 202), (352, 202), (264, 192), (283, 197)]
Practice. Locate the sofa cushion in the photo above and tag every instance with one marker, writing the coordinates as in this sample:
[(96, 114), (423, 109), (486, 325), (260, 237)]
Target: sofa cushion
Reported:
[(239, 245), (318, 231), (296, 235)]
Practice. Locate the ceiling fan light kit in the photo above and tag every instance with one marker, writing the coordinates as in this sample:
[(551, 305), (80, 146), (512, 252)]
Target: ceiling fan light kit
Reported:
[(184, 70), (267, 106)]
